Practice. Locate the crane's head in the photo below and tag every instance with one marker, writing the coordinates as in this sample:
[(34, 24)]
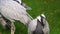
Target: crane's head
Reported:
[(41, 16)]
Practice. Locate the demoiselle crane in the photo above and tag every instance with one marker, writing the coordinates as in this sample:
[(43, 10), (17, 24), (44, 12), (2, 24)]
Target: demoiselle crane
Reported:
[(3, 22), (38, 25), (12, 11)]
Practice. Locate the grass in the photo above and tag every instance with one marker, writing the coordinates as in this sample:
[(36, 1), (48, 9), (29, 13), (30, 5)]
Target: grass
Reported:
[(51, 8)]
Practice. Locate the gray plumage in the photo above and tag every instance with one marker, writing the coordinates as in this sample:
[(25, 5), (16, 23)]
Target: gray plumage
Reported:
[(13, 11), (39, 29)]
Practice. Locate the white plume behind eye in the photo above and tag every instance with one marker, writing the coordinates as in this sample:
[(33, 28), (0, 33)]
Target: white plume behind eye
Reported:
[(39, 18), (43, 15)]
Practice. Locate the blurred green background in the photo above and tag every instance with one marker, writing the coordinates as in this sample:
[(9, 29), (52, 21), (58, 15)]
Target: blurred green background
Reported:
[(51, 9)]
